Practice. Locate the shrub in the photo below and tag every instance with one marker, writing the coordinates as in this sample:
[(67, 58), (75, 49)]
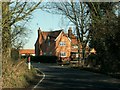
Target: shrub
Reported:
[(16, 74), (44, 59)]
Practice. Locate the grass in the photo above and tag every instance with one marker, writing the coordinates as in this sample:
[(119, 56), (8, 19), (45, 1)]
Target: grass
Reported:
[(16, 74)]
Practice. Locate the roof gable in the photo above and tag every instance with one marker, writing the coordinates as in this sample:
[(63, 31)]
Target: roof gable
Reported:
[(52, 34)]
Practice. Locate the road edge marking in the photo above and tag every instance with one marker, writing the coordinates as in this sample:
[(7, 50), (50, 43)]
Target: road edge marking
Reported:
[(40, 80)]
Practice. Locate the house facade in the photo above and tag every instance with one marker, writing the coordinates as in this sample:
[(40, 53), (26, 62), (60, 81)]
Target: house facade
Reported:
[(57, 43)]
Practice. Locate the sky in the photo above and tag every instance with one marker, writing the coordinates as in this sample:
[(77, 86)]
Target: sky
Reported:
[(46, 22)]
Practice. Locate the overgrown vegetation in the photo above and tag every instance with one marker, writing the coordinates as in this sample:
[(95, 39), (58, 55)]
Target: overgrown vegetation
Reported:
[(14, 17), (17, 75), (105, 36)]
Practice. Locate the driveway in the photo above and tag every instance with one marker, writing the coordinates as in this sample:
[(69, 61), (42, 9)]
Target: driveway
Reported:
[(63, 77)]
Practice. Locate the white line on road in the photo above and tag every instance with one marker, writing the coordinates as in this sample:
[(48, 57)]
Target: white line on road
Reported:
[(40, 80)]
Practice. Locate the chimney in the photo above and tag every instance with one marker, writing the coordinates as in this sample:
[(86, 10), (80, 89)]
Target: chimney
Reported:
[(70, 32), (39, 32)]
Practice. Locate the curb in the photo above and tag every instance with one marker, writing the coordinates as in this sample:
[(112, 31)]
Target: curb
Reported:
[(43, 74)]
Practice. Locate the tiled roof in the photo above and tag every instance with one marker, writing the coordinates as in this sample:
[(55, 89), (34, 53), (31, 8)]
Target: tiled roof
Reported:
[(26, 51), (52, 34)]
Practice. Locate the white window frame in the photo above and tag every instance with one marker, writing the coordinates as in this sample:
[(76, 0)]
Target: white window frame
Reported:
[(75, 46), (62, 54), (62, 43)]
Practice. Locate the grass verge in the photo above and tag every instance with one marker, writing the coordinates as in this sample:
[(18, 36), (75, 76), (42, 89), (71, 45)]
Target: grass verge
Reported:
[(17, 75)]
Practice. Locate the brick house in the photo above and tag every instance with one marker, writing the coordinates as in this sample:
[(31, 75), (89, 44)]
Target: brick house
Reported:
[(56, 43)]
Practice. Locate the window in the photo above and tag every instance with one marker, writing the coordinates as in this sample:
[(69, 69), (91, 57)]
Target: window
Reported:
[(62, 54), (62, 43), (75, 46)]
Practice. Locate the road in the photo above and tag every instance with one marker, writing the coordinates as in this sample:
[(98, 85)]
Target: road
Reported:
[(63, 77)]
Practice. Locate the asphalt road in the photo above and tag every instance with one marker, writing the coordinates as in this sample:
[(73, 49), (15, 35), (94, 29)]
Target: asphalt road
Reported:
[(66, 78)]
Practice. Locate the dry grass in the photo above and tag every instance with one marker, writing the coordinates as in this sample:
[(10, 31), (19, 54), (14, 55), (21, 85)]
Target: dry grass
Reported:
[(16, 74)]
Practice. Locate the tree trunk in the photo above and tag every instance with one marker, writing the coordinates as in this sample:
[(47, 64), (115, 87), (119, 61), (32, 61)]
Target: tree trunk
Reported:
[(6, 34)]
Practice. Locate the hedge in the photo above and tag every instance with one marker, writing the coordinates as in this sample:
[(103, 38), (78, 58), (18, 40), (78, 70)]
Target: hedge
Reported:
[(44, 59)]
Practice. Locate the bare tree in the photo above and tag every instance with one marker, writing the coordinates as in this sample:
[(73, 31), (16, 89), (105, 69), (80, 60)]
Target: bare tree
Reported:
[(19, 36), (12, 13), (78, 13), (13, 32)]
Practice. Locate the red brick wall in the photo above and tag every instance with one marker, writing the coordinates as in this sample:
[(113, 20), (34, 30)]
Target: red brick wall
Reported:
[(66, 48)]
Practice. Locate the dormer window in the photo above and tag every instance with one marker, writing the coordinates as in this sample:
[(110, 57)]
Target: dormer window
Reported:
[(62, 44)]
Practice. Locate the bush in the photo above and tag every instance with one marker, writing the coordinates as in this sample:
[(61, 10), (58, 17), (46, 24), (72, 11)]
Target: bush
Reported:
[(16, 74), (91, 60)]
